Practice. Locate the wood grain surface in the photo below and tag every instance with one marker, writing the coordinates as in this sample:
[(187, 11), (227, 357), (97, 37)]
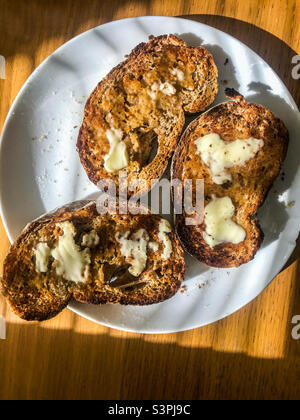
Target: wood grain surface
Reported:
[(251, 354)]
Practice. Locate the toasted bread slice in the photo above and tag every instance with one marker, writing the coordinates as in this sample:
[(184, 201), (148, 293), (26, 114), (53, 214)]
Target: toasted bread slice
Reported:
[(77, 253), (143, 99), (244, 187)]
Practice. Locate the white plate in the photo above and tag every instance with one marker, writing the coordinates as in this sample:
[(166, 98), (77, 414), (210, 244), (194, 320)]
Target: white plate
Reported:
[(40, 169)]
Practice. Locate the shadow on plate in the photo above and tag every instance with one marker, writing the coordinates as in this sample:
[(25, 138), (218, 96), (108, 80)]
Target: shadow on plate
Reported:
[(273, 50), (273, 215), (227, 72)]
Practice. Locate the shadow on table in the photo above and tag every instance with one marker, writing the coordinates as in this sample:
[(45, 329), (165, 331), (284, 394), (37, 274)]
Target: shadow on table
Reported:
[(104, 367), (57, 18)]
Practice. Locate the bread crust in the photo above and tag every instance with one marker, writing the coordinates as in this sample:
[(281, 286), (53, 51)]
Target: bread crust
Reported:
[(121, 99), (250, 184), (38, 297)]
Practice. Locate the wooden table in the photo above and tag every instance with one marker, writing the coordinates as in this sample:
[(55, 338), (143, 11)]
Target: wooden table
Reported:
[(251, 354)]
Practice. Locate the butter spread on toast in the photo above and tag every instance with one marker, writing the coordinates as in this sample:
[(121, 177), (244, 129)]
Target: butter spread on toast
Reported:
[(164, 229), (91, 240), (71, 262), (179, 74), (220, 227), (134, 250), (42, 255), (220, 155), (167, 88), (117, 158)]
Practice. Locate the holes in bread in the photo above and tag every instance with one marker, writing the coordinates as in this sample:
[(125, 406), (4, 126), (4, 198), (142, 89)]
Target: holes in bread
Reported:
[(119, 277), (134, 287), (227, 185), (147, 147), (154, 149), (159, 273)]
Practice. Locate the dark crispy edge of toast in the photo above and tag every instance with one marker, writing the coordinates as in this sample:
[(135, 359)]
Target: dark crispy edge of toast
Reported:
[(189, 238)]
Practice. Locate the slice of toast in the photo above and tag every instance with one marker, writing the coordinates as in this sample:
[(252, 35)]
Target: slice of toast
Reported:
[(141, 100), (98, 259), (244, 187)]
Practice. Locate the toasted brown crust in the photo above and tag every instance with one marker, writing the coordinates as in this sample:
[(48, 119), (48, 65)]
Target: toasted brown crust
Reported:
[(250, 183), (122, 100), (37, 296)]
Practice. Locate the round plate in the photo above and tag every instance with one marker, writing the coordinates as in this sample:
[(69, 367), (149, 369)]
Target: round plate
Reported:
[(40, 168)]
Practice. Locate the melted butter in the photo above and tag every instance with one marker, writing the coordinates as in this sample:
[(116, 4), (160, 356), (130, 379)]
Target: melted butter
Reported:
[(220, 227), (167, 89), (153, 92), (219, 155), (90, 240), (179, 74), (117, 158), (134, 250), (164, 228), (42, 255), (154, 246), (72, 263)]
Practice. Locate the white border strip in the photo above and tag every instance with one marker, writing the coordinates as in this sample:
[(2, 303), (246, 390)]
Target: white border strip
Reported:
[(2, 328), (2, 67)]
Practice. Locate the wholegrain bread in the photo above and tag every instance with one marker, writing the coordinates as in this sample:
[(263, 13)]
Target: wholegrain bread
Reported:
[(144, 99), (247, 185), (37, 293)]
